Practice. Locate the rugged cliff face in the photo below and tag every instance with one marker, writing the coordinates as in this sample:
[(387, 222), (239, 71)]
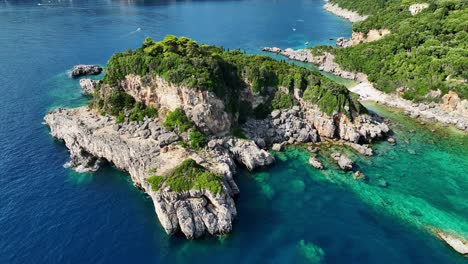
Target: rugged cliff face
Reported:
[(145, 148), (204, 108)]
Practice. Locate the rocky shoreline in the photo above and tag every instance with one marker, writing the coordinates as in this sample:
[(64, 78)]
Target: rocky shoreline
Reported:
[(429, 112), (146, 147), (142, 147), (349, 15)]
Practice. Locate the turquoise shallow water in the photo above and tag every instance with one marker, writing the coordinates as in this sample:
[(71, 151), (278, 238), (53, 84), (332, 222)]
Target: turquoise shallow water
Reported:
[(288, 213)]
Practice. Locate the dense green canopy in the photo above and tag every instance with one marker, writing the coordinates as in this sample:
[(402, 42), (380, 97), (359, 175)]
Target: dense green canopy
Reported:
[(184, 62), (427, 51)]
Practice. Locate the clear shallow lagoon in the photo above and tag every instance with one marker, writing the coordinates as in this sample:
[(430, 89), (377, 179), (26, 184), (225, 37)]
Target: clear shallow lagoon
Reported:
[(49, 214)]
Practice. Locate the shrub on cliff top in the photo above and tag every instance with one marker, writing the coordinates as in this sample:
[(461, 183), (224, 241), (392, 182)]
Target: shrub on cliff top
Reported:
[(197, 139), (177, 120), (189, 175), (334, 98), (184, 62)]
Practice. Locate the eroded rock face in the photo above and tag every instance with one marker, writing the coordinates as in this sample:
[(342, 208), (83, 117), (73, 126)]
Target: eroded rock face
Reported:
[(204, 108), (88, 86), (82, 69), (91, 137), (451, 102), (359, 37), (363, 128), (344, 162)]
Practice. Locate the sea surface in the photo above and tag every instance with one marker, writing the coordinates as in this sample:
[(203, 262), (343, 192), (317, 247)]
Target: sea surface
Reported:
[(289, 213)]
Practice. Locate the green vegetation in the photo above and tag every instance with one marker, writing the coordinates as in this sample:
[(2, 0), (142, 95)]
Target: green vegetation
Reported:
[(332, 97), (139, 111), (425, 52), (320, 50), (188, 176), (197, 140), (118, 103), (182, 61), (283, 100), (177, 120), (238, 133)]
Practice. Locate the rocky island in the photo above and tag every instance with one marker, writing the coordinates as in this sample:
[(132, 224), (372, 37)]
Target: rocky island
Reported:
[(179, 117)]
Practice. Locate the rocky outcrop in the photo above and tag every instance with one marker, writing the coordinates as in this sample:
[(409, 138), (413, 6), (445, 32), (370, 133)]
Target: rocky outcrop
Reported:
[(344, 162), (144, 149), (458, 244), (359, 37), (204, 108), (352, 16), (416, 8), (362, 149), (82, 69), (363, 128), (314, 162), (88, 86), (359, 176), (451, 102), (443, 113), (287, 126), (325, 62), (307, 123)]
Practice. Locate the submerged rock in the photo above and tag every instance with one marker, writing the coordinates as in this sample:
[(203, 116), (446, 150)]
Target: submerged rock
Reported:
[(82, 69), (382, 183), (359, 176), (314, 162), (310, 252)]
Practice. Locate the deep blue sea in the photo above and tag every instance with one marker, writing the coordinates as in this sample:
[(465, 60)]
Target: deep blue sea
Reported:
[(289, 213)]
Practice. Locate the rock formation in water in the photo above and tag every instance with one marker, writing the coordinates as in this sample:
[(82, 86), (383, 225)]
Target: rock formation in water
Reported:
[(88, 86), (82, 69), (458, 244), (140, 148), (344, 162), (314, 162), (176, 138)]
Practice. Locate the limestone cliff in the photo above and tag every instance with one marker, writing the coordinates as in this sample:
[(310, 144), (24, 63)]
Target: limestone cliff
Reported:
[(145, 148), (204, 108)]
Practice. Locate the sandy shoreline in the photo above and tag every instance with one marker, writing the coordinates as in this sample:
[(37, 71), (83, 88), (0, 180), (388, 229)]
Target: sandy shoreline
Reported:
[(344, 13)]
